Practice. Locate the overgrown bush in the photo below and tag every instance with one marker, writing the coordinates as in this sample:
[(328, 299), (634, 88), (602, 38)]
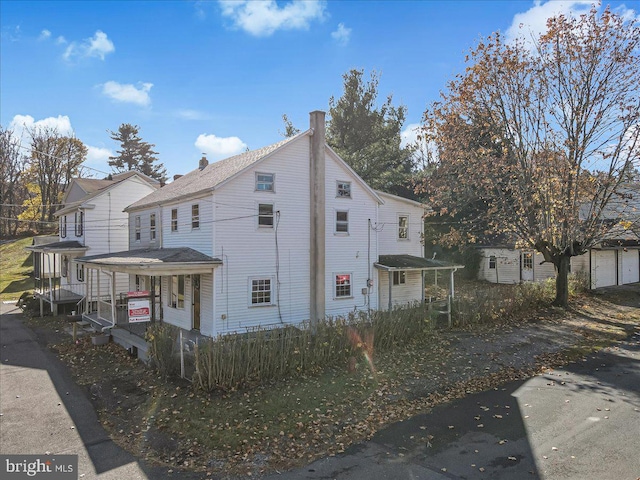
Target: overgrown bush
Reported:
[(164, 353), (264, 355)]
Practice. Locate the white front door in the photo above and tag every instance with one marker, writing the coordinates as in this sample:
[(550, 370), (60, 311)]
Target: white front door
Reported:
[(526, 263)]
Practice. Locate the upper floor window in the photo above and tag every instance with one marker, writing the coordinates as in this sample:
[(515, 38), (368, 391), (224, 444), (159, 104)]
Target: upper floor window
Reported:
[(174, 219), (399, 277), (195, 216), (137, 228), (492, 262), (80, 272), (79, 223), (63, 226), (343, 190), (152, 227), (265, 182), (343, 285), (403, 227), (265, 215), (342, 221)]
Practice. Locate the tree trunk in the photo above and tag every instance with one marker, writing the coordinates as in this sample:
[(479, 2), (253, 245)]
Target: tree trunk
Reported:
[(562, 281)]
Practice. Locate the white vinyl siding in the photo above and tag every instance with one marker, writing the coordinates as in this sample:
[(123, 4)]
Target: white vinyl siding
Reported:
[(403, 294), (506, 262)]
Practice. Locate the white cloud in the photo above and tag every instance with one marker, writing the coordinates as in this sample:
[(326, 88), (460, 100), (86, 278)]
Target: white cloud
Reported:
[(188, 114), (219, 147), (61, 40), (342, 34), (44, 34), (98, 155), (97, 46), (128, 93), (533, 22), (263, 18), (409, 135), (20, 124)]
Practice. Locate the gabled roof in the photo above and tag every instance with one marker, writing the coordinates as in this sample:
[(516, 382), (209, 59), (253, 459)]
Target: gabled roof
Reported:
[(212, 176), (402, 199), (94, 187)]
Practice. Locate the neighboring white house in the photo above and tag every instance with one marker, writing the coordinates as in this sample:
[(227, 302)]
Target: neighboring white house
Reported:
[(271, 237), (91, 221)]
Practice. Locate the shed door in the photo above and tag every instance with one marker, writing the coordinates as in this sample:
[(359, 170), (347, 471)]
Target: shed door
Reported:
[(603, 268), (630, 268), (527, 266)]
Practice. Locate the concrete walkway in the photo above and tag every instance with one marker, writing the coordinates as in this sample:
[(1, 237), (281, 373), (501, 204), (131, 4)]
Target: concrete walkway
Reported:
[(44, 411)]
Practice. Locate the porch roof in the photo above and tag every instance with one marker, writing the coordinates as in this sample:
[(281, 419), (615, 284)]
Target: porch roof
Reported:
[(159, 261), (411, 262), (67, 246)]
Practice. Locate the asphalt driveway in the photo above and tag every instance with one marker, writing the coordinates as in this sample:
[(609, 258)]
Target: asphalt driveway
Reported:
[(579, 422)]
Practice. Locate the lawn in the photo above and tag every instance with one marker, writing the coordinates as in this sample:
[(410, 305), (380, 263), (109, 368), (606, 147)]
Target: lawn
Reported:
[(16, 265)]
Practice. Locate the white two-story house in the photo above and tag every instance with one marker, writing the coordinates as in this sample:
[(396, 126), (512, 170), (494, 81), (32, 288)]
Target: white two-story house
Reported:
[(281, 235), (92, 221)]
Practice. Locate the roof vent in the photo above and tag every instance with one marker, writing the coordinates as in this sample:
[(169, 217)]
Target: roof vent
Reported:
[(203, 162)]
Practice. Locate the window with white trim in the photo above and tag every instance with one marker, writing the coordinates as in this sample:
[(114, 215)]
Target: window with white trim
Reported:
[(63, 226), (138, 228), (152, 227), (343, 285), (527, 261), (343, 189), (399, 277), (176, 291), (261, 291), (80, 272), (174, 219), (195, 216), (79, 218), (64, 266), (492, 262), (265, 182), (265, 215), (403, 227), (342, 221)]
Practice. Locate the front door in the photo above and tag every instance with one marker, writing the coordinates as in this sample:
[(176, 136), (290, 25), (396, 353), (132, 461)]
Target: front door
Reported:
[(195, 282), (527, 266)]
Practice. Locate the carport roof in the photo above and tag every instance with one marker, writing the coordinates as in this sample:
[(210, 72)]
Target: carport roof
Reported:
[(411, 262)]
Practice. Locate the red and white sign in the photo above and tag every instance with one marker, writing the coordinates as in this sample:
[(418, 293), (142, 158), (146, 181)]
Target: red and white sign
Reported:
[(139, 311)]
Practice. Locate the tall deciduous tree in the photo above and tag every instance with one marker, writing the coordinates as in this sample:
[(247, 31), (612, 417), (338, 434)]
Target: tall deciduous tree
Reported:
[(12, 189), (135, 153), (54, 160), (368, 137), (543, 135)]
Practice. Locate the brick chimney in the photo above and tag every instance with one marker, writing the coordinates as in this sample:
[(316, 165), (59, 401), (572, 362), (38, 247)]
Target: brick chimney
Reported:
[(203, 162), (317, 217)]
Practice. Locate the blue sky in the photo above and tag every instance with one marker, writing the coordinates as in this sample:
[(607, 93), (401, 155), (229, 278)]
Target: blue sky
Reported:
[(215, 77)]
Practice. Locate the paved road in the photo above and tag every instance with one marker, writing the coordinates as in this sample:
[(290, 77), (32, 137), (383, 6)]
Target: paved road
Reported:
[(580, 422), (43, 410)]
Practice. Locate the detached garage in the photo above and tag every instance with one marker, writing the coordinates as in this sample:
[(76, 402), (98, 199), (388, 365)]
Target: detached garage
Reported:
[(614, 266)]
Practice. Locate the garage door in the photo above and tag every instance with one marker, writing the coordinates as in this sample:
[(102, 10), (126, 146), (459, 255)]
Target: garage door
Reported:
[(603, 268), (630, 266)]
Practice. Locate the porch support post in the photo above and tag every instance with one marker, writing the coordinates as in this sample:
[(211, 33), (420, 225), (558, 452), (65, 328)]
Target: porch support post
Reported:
[(113, 298), (390, 289), (452, 283), (98, 293)]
